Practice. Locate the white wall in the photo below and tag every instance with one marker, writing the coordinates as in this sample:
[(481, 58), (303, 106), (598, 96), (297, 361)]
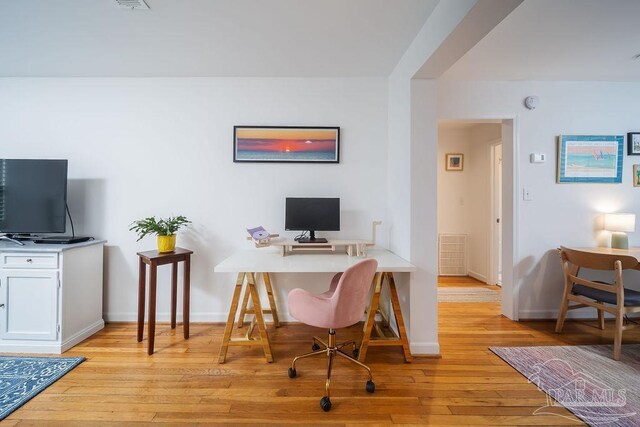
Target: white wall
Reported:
[(454, 211), (140, 147), (560, 214), (464, 198)]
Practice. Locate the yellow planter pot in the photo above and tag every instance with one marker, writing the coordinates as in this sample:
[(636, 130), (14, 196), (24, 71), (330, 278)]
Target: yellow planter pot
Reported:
[(167, 243)]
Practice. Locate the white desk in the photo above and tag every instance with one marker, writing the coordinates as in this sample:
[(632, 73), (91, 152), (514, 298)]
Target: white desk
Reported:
[(247, 263)]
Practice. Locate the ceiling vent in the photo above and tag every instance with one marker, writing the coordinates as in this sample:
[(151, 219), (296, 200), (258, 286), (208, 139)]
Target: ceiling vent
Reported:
[(133, 4)]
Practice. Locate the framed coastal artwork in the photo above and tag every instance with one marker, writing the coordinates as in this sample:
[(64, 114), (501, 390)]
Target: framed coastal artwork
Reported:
[(633, 143), (454, 161), (636, 175), (590, 158), (286, 144)]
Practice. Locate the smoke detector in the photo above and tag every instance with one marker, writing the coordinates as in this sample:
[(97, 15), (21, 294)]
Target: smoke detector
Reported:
[(531, 102), (133, 4)]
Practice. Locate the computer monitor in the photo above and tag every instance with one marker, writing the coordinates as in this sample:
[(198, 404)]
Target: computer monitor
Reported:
[(312, 214), (33, 196)]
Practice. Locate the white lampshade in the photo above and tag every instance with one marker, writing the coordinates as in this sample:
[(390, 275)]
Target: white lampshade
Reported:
[(625, 222)]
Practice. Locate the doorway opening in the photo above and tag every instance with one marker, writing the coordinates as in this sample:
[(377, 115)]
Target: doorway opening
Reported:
[(470, 214)]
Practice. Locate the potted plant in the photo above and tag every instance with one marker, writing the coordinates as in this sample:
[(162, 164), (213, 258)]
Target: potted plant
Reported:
[(164, 228)]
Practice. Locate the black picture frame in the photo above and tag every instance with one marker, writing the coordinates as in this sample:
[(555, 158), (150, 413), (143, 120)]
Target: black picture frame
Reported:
[(286, 144), (633, 144)]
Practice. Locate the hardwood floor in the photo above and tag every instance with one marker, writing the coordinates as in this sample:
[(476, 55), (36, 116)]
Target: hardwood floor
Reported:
[(463, 282), (183, 383)]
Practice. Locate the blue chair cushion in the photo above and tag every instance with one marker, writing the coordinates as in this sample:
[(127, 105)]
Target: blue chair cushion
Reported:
[(631, 297)]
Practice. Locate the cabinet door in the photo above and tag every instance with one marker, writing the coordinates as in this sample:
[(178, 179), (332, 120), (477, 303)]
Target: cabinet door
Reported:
[(28, 305)]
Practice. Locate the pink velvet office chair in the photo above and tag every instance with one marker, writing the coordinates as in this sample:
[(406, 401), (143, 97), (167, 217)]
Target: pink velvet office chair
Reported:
[(341, 306)]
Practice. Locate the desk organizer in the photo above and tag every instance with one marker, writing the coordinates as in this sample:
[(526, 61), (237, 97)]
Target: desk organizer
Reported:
[(351, 247)]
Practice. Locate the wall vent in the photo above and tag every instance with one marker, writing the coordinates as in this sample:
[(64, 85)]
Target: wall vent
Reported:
[(452, 254), (133, 4)]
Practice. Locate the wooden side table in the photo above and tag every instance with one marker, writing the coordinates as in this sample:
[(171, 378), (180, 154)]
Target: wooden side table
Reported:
[(153, 259)]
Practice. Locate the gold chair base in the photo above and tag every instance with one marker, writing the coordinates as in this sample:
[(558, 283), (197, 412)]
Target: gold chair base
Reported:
[(331, 349)]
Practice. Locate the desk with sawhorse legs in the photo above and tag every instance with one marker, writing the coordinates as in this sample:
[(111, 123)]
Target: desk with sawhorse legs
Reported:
[(246, 264)]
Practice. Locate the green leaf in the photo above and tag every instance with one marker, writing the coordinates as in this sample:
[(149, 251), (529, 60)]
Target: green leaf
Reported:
[(160, 227)]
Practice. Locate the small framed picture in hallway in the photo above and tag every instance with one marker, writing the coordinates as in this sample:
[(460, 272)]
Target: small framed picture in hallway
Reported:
[(454, 161)]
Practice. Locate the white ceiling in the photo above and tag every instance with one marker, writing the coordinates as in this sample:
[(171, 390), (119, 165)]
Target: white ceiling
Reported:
[(274, 38), (558, 40)]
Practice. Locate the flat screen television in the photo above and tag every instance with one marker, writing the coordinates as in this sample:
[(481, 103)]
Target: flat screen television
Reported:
[(312, 214), (33, 196)]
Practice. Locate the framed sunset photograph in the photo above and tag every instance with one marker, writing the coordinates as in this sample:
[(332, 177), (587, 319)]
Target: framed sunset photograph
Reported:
[(286, 144)]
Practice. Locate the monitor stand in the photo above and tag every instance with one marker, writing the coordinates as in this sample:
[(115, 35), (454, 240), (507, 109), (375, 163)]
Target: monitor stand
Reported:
[(312, 238)]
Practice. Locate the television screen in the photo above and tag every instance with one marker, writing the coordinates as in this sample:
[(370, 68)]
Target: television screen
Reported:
[(33, 196), (312, 214)]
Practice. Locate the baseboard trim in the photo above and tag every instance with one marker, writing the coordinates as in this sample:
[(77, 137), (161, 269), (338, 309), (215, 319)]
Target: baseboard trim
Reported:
[(54, 347), (431, 349), (82, 335), (193, 317), (477, 276)]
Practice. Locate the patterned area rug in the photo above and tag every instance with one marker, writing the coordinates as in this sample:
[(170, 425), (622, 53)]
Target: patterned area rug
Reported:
[(584, 379), (21, 378), (468, 295)]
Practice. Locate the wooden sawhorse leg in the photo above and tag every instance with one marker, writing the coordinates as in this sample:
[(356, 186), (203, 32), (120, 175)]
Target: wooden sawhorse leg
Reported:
[(244, 308), (262, 329), (401, 340)]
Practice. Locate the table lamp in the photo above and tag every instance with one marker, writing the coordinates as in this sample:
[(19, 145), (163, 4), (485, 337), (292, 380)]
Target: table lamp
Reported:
[(619, 224)]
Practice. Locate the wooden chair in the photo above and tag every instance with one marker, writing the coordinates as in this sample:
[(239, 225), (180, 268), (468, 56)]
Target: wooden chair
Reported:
[(610, 297)]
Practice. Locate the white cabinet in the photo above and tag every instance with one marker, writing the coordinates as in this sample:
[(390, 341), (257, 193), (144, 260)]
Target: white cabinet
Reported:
[(29, 305), (50, 296)]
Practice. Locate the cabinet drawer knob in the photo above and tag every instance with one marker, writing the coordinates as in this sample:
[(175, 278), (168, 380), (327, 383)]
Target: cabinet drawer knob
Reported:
[(29, 260), (1, 305)]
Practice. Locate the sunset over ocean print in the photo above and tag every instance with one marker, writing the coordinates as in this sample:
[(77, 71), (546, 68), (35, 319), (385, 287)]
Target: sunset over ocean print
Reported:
[(286, 144)]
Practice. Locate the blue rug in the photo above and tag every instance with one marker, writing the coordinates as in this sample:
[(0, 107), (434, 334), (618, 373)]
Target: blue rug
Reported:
[(21, 378)]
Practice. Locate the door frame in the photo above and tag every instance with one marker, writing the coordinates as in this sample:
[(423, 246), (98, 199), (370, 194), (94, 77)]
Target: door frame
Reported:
[(493, 209)]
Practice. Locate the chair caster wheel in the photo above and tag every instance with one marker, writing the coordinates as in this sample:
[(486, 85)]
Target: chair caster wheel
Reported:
[(292, 373), (356, 353), (315, 347), (371, 387), (325, 404)]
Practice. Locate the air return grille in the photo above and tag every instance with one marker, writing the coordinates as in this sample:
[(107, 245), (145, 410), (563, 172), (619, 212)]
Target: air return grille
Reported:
[(133, 4), (452, 254)]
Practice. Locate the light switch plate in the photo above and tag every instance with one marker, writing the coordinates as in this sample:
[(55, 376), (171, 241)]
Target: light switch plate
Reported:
[(537, 158)]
